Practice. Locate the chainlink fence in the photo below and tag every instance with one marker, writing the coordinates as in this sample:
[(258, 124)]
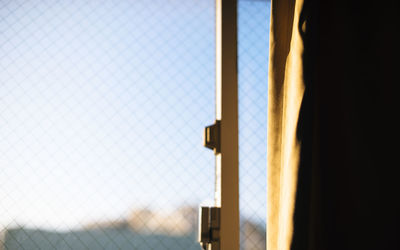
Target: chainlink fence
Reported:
[(102, 105)]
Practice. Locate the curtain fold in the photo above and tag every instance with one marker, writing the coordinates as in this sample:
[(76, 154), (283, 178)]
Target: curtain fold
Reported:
[(286, 88), (333, 126)]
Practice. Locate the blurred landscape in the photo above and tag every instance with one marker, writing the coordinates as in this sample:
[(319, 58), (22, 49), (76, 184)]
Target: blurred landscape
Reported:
[(142, 230), (102, 106)]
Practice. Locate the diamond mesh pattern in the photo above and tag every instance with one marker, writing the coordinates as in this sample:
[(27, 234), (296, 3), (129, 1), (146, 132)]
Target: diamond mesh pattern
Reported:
[(253, 36), (102, 104)]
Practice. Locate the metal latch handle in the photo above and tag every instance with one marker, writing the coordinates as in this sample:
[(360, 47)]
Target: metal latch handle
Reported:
[(212, 137)]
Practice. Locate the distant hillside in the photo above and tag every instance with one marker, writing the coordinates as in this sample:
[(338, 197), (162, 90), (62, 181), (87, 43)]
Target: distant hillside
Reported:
[(105, 239), (142, 230)]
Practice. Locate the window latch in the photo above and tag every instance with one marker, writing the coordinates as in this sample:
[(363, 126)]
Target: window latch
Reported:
[(212, 137), (209, 227)]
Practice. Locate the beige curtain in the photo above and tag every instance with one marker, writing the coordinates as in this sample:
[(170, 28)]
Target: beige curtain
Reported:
[(333, 126), (286, 89)]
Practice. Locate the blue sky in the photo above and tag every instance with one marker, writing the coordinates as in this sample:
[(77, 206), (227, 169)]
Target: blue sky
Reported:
[(103, 103)]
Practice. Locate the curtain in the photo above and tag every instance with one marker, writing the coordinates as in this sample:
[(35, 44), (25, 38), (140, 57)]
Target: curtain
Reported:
[(333, 130), (286, 90)]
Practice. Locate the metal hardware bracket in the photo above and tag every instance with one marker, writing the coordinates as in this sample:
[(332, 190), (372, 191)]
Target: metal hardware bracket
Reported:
[(212, 137), (209, 226)]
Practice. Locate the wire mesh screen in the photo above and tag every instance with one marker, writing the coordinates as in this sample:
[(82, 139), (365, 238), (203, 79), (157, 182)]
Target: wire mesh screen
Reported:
[(253, 36), (102, 104)]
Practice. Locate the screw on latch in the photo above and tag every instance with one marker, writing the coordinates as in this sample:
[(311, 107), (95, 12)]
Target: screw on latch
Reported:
[(212, 137)]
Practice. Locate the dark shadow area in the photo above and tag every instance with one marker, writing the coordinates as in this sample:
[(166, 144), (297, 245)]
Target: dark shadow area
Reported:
[(348, 180)]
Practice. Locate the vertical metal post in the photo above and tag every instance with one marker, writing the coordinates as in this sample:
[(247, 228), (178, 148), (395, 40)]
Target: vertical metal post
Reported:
[(227, 161)]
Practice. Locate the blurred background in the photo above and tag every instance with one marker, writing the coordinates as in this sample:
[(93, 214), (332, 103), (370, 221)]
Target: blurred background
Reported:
[(102, 108)]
